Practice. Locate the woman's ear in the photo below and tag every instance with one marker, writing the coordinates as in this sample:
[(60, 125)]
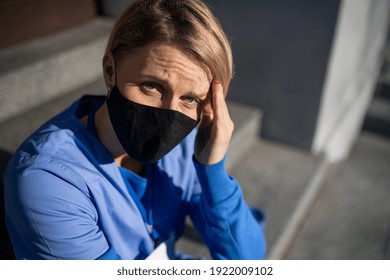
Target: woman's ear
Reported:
[(109, 70)]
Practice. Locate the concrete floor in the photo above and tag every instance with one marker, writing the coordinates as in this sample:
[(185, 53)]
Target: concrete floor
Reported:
[(351, 216)]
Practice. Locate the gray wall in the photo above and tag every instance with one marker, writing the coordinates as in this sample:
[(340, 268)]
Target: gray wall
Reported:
[(281, 51)]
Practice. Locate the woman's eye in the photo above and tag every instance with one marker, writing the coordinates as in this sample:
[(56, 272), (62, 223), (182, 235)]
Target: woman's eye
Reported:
[(191, 101), (150, 86)]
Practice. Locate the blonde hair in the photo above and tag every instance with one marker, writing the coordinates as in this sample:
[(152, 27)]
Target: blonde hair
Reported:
[(186, 24)]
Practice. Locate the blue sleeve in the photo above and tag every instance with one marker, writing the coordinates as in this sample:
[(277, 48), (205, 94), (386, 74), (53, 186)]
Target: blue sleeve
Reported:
[(49, 217), (223, 218)]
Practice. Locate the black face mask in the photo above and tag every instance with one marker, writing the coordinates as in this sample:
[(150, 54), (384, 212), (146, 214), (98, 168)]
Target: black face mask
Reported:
[(146, 133)]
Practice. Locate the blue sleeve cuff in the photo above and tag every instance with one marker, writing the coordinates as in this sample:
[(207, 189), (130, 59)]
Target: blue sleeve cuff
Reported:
[(110, 255), (217, 185)]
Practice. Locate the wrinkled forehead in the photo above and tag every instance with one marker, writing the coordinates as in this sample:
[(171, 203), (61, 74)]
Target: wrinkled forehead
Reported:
[(166, 63)]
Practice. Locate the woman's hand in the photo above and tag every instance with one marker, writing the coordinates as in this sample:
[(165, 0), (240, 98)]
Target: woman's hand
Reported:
[(215, 129)]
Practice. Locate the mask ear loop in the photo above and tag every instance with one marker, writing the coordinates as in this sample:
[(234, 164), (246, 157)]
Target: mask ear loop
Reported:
[(109, 89), (115, 73), (210, 96)]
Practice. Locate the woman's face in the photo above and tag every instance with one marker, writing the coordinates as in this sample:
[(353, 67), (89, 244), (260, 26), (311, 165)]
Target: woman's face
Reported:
[(162, 76)]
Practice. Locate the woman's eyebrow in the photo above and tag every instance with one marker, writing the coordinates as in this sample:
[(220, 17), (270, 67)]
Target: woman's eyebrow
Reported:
[(205, 95), (200, 96), (166, 83)]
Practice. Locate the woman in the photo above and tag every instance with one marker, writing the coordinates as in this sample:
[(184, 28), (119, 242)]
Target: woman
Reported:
[(112, 177)]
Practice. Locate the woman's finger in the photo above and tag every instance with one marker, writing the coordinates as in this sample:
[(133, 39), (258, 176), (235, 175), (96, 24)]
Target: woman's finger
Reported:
[(223, 124)]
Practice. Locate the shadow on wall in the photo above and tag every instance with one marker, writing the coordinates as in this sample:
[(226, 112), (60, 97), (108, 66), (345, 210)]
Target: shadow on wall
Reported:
[(6, 252)]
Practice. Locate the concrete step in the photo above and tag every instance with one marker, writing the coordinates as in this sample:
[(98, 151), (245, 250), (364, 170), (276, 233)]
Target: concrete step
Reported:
[(247, 125), (277, 178), (40, 70), (16, 129), (351, 216), (384, 77), (378, 116)]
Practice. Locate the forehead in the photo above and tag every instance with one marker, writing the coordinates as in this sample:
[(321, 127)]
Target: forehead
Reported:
[(166, 62)]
